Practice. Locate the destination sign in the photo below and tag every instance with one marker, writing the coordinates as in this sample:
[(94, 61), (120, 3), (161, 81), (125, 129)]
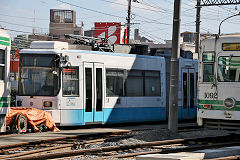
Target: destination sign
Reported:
[(231, 46)]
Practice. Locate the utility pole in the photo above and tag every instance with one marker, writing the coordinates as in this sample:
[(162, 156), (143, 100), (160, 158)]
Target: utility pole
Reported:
[(33, 30), (173, 96), (128, 20), (197, 42)]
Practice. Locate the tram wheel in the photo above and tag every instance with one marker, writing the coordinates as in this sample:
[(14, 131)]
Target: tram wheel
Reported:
[(21, 123)]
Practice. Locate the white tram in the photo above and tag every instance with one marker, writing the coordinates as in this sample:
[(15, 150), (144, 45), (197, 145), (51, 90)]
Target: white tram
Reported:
[(83, 87), (219, 82), (5, 48)]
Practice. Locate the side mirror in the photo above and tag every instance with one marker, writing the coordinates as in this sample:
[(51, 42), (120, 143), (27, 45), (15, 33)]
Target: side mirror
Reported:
[(64, 58)]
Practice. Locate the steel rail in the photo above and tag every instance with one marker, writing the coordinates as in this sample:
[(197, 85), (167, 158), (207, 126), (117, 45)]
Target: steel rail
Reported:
[(36, 151), (124, 147), (164, 151), (61, 138), (73, 145), (226, 158), (103, 149)]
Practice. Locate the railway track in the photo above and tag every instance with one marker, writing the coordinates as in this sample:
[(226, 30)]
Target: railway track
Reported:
[(56, 144), (94, 147)]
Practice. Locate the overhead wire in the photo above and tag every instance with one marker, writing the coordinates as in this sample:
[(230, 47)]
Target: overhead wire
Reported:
[(23, 17), (143, 19), (92, 10), (133, 6), (151, 35)]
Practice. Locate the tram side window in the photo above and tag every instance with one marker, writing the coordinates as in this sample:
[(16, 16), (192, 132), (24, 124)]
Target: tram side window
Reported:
[(207, 72), (229, 69), (152, 83), (2, 64), (134, 85), (208, 66), (71, 81), (114, 82), (143, 83)]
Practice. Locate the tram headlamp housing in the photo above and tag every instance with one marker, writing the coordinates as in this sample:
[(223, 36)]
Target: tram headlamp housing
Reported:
[(229, 102), (19, 103), (47, 104), (64, 58)]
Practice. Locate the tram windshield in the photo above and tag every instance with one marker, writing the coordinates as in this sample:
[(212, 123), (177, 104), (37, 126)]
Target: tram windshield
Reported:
[(229, 69), (39, 75)]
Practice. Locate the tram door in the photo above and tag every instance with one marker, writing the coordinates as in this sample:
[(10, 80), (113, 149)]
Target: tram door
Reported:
[(93, 92), (189, 94)]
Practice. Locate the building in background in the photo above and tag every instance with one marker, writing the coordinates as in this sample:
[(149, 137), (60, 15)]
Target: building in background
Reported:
[(63, 22), (189, 37), (20, 42), (14, 65), (139, 38), (89, 33)]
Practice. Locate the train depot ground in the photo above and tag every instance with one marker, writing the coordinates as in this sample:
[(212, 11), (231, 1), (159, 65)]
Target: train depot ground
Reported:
[(134, 134), (70, 132)]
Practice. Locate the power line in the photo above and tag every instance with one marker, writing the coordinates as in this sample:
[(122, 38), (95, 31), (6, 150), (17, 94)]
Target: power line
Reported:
[(141, 30), (21, 25), (149, 5), (227, 9), (16, 30), (132, 6), (152, 21), (22, 17), (92, 10)]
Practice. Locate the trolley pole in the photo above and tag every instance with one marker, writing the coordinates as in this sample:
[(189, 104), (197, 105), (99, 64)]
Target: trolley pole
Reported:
[(173, 96), (197, 42), (128, 20)]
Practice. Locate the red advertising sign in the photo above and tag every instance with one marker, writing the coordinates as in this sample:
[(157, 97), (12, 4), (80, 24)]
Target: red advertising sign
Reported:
[(113, 31), (14, 61)]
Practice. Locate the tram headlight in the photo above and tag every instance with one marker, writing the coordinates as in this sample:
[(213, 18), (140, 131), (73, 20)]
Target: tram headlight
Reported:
[(19, 103), (47, 104), (229, 102)]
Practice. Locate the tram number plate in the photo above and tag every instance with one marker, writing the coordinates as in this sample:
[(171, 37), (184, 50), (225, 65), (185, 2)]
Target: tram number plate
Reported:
[(210, 95)]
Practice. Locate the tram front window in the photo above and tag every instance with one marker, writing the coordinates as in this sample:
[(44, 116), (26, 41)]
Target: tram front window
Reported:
[(39, 75), (229, 69)]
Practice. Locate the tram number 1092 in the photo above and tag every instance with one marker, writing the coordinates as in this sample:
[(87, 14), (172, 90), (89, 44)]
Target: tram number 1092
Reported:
[(210, 95)]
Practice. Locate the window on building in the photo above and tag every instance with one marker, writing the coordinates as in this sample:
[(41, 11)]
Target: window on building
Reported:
[(134, 83), (152, 83), (76, 32), (56, 36), (62, 16), (114, 82), (2, 64), (71, 81)]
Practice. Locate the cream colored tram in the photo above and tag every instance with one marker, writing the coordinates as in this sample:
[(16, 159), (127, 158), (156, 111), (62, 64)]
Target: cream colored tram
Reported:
[(219, 82), (5, 47)]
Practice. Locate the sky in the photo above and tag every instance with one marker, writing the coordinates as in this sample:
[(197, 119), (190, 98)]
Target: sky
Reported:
[(153, 18)]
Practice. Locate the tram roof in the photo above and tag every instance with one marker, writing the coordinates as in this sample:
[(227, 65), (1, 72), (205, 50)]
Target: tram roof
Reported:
[(54, 51), (224, 36), (4, 33), (5, 39)]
